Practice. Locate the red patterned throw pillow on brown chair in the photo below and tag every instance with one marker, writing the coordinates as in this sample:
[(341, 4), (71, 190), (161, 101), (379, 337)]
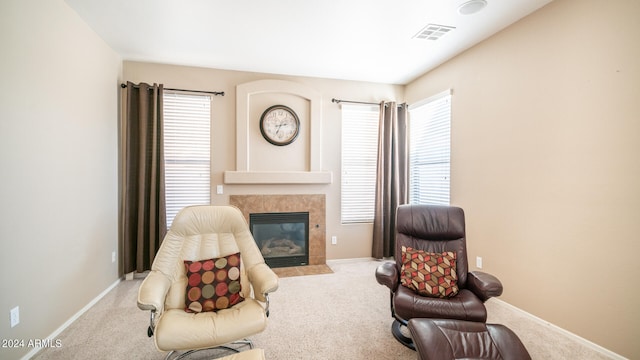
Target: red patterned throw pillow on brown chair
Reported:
[(429, 274), (213, 284)]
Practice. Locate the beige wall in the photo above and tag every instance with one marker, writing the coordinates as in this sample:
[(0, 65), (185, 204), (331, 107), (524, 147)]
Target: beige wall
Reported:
[(58, 160), (354, 241), (546, 163)]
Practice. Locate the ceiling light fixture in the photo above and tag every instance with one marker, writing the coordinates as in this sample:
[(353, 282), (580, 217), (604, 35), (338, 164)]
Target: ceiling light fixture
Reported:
[(471, 7)]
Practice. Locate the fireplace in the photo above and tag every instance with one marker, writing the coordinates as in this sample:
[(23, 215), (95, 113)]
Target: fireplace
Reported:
[(314, 204), (283, 237)]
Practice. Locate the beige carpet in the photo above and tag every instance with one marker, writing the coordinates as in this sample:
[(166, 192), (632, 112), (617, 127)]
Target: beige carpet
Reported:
[(342, 315)]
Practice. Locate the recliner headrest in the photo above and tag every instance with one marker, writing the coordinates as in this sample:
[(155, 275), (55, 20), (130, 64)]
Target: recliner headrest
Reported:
[(431, 222)]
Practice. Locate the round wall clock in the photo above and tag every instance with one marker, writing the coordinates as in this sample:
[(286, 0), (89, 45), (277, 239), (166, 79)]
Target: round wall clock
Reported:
[(279, 125)]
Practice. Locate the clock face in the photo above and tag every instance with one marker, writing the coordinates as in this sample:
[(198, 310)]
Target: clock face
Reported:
[(279, 125)]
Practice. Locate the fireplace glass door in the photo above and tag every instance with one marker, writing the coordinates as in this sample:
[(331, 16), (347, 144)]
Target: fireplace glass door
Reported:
[(283, 238)]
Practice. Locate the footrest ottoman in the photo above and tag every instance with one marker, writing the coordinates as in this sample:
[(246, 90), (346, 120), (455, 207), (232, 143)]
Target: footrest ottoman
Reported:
[(456, 339), (253, 354)]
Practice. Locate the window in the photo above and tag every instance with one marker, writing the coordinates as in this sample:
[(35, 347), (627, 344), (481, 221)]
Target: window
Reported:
[(359, 159), (187, 154), (430, 150)]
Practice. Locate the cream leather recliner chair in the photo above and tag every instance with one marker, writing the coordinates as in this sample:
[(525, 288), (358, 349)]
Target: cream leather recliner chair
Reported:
[(199, 233)]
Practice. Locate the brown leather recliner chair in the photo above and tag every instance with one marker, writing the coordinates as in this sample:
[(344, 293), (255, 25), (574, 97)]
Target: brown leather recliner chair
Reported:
[(435, 229)]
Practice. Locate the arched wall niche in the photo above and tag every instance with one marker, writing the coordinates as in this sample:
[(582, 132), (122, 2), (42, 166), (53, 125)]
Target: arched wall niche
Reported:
[(257, 161)]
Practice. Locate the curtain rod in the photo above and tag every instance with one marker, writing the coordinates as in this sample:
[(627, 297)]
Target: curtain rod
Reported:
[(338, 101), (216, 93)]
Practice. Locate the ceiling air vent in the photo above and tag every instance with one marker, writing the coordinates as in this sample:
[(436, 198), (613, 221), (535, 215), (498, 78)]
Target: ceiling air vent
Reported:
[(433, 32)]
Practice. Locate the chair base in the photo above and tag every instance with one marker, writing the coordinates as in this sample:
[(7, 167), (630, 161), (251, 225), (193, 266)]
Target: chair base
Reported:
[(396, 330), (225, 347)]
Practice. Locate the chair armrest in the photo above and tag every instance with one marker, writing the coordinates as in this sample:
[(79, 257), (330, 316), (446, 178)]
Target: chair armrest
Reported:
[(263, 280), (484, 285), (387, 275), (153, 291)]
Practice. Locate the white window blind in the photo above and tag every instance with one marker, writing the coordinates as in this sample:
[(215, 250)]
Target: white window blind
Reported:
[(430, 150), (359, 159), (187, 154)]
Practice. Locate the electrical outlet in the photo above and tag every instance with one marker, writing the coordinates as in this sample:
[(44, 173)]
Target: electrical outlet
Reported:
[(113, 257), (15, 316), (219, 190), (334, 240), (478, 262)]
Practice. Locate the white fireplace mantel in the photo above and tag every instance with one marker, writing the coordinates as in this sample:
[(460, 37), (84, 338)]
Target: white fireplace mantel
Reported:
[(278, 177)]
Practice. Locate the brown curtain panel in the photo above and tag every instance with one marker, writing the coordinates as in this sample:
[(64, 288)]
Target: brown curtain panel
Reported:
[(143, 209), (391, 176)]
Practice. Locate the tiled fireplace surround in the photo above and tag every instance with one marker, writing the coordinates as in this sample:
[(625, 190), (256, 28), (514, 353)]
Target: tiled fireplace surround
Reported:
[(314, 204)]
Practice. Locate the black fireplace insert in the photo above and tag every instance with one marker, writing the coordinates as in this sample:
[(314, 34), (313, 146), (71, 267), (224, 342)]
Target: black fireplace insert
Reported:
[(283, 238)]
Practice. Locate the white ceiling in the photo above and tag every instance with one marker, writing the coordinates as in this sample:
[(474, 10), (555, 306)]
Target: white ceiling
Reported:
[(366, 40)]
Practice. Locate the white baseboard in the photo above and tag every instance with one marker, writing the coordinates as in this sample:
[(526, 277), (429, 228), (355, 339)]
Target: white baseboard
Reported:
[(52, 338), (606, 352), (350, 260)]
